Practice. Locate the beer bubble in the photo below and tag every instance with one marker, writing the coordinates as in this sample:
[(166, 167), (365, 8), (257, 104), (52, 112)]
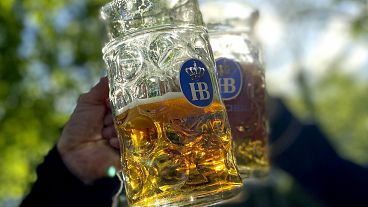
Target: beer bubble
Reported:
[(142, 135), (170, 169)]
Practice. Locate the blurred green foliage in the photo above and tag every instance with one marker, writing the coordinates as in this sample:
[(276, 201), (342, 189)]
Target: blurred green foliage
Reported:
[(342, 109), (338, 100), (51, 51), (339, 106)]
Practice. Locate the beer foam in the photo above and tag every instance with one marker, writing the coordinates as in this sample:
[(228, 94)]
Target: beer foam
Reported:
[(138, 102)]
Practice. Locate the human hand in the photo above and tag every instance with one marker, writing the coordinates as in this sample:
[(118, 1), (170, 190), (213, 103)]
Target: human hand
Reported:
[(86, 142)]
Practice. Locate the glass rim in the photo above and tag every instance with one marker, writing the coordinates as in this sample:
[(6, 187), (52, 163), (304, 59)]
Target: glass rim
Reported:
[(104, 11)]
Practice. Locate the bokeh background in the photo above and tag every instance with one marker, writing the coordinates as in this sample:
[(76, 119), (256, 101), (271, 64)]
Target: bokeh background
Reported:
[(315, 54)]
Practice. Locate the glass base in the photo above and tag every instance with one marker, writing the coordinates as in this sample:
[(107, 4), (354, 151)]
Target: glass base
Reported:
[(198, 197), (253, 172)]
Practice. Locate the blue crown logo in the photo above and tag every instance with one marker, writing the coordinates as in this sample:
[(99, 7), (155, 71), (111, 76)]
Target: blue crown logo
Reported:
[(195, 72)]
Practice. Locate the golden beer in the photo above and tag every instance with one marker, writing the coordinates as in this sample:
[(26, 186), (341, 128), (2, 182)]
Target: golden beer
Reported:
[(247, 118), (176, 153)]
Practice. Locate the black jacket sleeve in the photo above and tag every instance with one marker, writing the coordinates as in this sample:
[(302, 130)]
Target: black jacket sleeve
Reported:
[(57, 187), (304, 151)]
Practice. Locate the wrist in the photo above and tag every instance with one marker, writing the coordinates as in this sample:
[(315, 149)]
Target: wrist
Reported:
[(74, 164), (57, 186)]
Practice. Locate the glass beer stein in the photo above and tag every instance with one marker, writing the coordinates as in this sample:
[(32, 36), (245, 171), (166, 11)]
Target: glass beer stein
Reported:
[(175, 140), (241, 80)]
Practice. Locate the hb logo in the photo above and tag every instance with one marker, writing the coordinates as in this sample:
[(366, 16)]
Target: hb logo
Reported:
[(200, 88), (195, 83), (227, 85), (230, 78)]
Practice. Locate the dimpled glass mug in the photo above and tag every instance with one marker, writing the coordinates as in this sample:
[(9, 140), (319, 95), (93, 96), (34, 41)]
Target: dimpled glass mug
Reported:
[(175, 140), (241, 80)]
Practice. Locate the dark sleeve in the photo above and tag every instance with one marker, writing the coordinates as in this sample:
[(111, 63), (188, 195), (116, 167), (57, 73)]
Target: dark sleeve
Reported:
[(57, 187), (311, 160)]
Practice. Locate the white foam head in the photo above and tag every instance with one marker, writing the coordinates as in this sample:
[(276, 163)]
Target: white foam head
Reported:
[(138, 102)]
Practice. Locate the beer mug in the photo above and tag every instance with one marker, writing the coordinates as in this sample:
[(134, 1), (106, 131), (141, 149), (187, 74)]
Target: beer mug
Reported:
[(175, 140), (241, 81)]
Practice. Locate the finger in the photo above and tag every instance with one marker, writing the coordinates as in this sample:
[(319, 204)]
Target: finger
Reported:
[(98, 94), (108, 120), (109, 132), (114, 142)]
